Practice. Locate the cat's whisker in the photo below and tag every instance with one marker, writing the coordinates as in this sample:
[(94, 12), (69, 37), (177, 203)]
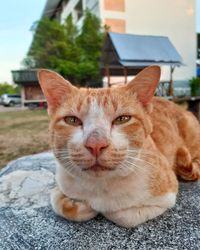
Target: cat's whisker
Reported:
[(143, 152), (63, 150), (60, 150), (138, 150), (62, 154), (152, 156), (124, 167), (74, 159), (136, 166), (54, 147), (69, 167), (141, 160), (139, 166), (60, 136), (136, 170), (65, 160)]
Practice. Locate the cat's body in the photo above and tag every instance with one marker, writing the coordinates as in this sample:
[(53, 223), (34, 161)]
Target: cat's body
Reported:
[(123, 168)]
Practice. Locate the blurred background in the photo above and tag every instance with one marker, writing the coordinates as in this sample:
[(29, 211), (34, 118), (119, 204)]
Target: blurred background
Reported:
[(94, 43)]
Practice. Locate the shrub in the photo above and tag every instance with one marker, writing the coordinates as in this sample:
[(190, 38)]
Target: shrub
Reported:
[(195, 86)]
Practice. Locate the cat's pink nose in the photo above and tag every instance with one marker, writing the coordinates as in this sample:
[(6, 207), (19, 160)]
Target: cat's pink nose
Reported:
[(95, 144)]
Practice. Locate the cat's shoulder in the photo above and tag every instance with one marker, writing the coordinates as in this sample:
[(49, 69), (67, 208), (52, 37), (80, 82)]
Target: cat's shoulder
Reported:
[(163, 109), (163, 104), (161, 101)]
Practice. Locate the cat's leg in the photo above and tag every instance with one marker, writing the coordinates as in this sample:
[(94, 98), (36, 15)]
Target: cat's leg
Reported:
[(70, 209), (187, 168), (134, 216)]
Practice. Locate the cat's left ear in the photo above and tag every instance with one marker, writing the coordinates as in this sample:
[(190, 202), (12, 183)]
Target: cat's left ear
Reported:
[(145, 83)]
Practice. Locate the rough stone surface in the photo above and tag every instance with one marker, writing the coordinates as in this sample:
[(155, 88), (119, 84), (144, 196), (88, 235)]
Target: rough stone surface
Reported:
[(27, 221)]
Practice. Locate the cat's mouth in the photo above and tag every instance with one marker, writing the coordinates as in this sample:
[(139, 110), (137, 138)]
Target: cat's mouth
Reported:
[(97, 168)]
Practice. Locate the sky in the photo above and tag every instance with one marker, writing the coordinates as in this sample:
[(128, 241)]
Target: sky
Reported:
[(16, 19)]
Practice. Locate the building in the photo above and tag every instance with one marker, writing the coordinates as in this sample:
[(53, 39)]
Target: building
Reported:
[(174, 19), (198, 54), (31, 92)]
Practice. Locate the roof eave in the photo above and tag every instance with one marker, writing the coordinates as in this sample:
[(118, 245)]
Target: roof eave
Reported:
[(50, 8)]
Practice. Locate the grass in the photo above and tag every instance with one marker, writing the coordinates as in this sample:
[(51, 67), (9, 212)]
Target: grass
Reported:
[(21, 133)]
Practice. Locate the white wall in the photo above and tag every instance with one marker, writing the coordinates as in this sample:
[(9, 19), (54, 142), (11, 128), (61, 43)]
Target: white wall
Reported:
[(92, 5), (172, 18)]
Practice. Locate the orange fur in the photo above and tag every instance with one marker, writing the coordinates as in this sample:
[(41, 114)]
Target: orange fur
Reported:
[(117, 169)]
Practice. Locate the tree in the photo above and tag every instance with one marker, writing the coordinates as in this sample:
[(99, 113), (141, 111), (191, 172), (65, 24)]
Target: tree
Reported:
[(90, 41), (73, 54), (68, 64), (91, 37), (6, 88), (48, 44)]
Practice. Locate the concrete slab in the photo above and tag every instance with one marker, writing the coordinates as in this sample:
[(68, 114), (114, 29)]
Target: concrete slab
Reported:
[(27, 221)]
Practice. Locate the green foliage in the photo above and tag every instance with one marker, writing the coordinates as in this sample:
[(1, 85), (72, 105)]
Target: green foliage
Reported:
[(49, 43), (91, 37), (195, 86), (90, 41), (6, 88), (72, 53)]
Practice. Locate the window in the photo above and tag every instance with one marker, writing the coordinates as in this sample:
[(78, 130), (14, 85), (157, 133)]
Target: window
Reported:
[(79, 10)]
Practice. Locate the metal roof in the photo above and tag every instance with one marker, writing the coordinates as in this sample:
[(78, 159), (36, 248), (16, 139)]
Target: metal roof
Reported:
[(138, 51), (25, 76)]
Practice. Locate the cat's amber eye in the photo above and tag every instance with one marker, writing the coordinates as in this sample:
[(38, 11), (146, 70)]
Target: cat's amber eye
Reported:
[(121, 119), (73, 121)]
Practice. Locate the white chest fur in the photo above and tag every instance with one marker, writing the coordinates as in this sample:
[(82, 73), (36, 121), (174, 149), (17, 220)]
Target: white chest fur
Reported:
[(105, 195)]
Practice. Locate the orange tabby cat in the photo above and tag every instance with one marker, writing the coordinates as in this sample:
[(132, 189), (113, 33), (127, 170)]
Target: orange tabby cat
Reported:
[(118, 150)]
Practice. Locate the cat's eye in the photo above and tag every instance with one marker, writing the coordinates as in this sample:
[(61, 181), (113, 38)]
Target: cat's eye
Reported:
[(73, 121), (122, 119)]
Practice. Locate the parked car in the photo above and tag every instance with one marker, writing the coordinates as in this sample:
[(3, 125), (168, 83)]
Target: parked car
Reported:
[(10, 100)]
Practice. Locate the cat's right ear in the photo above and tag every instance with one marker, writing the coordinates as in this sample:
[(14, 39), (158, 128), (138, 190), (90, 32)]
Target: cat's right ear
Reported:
[(145, 83), (54, 87)]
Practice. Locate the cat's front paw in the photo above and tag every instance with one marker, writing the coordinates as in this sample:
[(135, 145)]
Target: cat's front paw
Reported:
[(70, 209)]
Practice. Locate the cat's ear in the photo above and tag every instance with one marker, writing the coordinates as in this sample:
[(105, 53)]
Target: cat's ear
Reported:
[(54, 87), (145, 83)]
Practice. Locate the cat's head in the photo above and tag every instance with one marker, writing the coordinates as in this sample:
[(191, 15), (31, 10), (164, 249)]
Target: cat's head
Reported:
[(96, 132)]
